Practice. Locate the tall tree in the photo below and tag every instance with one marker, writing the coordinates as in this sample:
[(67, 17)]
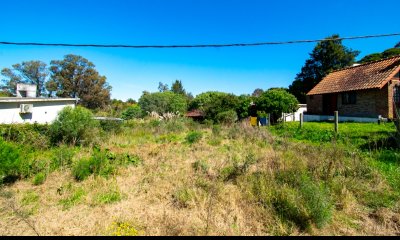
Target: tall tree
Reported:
[(257, 92), (327, 56), (163, 87), (32, 72), (75, 76), (177, 87)]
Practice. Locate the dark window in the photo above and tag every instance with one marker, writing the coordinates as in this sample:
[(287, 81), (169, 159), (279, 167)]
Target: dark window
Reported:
[(349, 98), (396, 94)]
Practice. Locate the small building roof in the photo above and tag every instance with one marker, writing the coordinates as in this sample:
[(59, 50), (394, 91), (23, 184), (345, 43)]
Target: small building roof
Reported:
[(195, 113), (23, 99), (365, 76)]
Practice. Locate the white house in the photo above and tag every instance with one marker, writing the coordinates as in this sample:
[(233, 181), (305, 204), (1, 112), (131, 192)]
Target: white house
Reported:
[(30, 109), (292, 117)]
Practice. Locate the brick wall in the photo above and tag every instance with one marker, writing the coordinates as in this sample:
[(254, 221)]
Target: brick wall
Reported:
[(366, 104), (314, 104)]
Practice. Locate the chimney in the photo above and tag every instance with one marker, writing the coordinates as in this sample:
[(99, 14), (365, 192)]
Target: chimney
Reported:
[(26, 90)]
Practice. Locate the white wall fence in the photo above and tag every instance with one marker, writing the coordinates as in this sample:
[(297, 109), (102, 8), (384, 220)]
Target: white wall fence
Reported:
[(320, 118), (294, 117)]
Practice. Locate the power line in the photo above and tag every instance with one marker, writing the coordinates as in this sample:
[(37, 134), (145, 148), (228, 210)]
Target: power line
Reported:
[(196, 45)]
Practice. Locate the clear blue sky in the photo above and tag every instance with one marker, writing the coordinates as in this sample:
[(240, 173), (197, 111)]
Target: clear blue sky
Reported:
[(165, 22)]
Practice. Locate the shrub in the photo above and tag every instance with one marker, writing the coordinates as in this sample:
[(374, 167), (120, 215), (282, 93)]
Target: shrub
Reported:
[(132, 112), (39, 178), (10, 157), (228, 117), (193, 137), (62, 157), (111, 125), (74, 126), (82, 170), (34, 135), (98, 164)]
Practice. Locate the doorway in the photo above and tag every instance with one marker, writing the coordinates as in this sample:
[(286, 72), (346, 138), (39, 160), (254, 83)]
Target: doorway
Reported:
[(329, 103)]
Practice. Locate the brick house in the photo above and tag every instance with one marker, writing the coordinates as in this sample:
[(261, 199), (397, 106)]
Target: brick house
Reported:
[(367, 90)]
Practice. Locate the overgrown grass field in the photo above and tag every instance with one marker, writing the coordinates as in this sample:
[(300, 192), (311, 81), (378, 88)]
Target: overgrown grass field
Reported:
[(178, 177)]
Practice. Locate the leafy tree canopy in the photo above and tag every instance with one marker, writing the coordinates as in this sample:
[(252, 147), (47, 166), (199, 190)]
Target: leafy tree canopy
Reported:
[(31, 72), (391, 52), (276, 102), (75, 76), (163, 102), (326, 57)]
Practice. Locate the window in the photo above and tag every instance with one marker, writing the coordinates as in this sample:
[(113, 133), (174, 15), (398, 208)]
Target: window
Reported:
[(349, 98), (396, 94)]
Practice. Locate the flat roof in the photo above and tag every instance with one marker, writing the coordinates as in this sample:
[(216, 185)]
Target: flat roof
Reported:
[(19, 99)]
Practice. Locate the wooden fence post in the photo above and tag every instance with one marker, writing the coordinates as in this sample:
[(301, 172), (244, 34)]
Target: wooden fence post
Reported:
[(301, 120), (336, 121), (269, 119)]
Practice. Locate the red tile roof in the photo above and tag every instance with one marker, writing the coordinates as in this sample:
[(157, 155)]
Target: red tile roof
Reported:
[(366, 76), (195, 113)]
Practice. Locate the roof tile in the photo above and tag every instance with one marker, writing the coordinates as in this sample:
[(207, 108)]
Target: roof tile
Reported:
[(370, 75)]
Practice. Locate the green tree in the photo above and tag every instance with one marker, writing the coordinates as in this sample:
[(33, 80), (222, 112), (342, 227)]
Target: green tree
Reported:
[(221, 103), (163, 102), (326, 57), (371, 57), (163, 87), (75, 76), (202, 100), (132, 112), (276, 102), (131, 101), (242, 108), (257, 92), (391, 52), (177, 87), (31, 72)]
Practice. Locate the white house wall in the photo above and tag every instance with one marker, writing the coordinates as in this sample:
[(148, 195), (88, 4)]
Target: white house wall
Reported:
[(290, 117), (43, 112)]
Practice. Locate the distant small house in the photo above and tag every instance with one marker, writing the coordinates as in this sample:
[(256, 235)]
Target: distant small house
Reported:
[(363, 91), (195, 114), (27, 108)]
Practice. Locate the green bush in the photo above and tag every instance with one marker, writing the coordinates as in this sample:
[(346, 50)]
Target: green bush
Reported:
[(34, 135), (81, 169), (101, 163), (74, 126), (227, 117), (193, 137), (62, 157), (111, 125), (39, 178), (10, 158), (276, 102), (132, 112)]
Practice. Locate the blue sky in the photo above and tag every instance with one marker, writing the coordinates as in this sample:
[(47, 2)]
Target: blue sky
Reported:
[(166, 22)]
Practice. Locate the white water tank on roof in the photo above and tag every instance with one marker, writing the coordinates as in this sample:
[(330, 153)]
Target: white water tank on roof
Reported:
[(26, 90)]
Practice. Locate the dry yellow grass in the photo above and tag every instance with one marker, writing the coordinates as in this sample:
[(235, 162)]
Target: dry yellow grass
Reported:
[(147, 205)]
